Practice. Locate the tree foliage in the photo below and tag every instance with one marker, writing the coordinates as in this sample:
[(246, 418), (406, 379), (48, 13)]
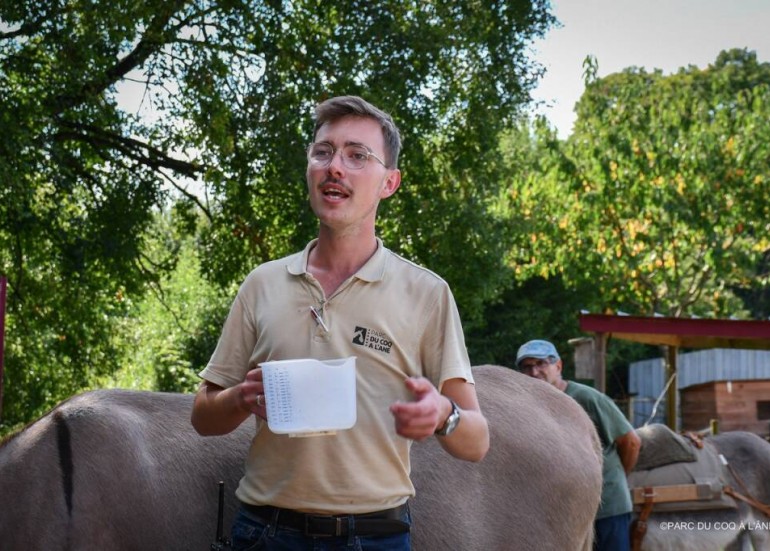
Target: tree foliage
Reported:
[(659, 198), (226, 88)]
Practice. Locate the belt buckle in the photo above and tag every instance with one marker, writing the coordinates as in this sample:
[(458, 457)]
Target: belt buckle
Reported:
[(337, 526)]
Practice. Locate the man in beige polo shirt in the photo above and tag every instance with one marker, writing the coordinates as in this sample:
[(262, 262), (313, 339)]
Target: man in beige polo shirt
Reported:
[(344, 295)]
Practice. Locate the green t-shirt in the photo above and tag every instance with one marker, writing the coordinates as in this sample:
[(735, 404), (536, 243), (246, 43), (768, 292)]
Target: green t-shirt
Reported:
[(610, 423)]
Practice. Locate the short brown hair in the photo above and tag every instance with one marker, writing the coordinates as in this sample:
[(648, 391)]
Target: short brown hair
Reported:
[(336, 108)]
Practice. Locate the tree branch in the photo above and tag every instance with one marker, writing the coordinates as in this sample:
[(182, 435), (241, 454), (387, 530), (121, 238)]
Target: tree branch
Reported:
[(154, 36), (139, 151), (194, 198)]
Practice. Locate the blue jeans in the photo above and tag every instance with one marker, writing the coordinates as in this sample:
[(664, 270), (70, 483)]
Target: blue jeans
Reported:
[(613, 533), (252, 533)]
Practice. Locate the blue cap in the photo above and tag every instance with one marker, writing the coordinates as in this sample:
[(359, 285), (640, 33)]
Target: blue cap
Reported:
[(536, 349)]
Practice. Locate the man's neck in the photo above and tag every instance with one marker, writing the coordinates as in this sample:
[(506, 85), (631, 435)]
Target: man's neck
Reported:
[(335, 259)]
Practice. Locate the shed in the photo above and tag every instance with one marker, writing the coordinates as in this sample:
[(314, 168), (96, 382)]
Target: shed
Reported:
[(737, 405), (672, 333), (726, 384)]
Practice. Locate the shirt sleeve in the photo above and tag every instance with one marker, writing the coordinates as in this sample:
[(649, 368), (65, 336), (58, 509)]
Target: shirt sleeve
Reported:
[(230, 361), (444, 354), (610, 421)]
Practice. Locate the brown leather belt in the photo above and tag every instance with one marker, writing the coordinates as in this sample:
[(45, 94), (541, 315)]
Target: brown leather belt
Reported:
[(378, 523)]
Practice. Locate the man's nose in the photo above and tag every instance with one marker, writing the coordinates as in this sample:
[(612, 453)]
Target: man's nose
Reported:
[(336, 165)]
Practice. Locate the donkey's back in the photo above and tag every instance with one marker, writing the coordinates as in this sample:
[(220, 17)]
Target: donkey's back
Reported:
[(538, 487), (125, 471), (118, 470)]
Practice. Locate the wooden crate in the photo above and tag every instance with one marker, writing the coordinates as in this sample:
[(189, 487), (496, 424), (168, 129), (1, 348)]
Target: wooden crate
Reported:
[(737, 405)]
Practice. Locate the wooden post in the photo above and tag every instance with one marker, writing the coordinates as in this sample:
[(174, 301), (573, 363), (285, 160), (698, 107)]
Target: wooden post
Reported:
[(671, 353), (601, 362), (3, 286)]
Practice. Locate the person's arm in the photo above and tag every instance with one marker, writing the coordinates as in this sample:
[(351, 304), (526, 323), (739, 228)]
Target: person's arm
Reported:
[(628, 446), (420, 419), (218, 410)]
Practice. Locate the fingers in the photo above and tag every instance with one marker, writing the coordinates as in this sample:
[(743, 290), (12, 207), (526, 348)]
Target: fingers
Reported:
[(419, 386), (252, 393), (254, 376), (258, 405), (417, 419)]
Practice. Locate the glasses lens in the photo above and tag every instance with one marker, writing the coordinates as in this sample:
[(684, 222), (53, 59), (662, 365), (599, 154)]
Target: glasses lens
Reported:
[(320, 153), (536, 364), (355, 156)]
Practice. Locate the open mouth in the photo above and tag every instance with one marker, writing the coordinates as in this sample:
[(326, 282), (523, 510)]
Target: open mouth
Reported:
[(334, 191)]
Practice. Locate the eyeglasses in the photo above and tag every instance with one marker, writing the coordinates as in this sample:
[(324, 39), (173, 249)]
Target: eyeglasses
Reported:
[(354, 156), (536, 364)]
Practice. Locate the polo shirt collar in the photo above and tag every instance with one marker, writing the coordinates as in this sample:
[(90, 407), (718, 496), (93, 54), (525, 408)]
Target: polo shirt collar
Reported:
[(373, 270)]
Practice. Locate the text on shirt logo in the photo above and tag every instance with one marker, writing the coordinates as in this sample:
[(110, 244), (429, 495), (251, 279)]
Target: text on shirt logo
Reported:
[(376, 340)]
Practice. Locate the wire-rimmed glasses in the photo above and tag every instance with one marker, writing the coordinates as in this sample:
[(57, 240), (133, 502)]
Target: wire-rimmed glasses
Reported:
[(354, 156)]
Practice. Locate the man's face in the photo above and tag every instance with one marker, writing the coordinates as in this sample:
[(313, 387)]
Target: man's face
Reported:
[(346, 199), (546, 369)]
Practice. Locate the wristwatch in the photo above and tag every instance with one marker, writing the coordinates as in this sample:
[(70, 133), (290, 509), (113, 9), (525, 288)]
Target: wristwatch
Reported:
[(451, 422)]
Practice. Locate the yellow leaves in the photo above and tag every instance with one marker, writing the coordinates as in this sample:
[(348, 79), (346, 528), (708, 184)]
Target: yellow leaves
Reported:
[(681, 185), (634, 227), (758, 180), (729, 147), (666, 261), (647, 267), (601, 246), (651, 158), (762, 245), (635, 147), (563, 223), (637, 248), (613, 171)]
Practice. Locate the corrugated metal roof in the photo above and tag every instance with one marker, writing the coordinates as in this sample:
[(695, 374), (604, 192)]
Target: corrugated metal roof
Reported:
[(647, 378), (721, 364)]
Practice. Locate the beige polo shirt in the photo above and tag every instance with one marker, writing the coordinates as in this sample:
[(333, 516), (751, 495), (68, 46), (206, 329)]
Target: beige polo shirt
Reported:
[(397, 318)]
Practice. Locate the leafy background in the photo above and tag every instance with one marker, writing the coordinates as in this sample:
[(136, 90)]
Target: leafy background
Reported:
[(124, 232)]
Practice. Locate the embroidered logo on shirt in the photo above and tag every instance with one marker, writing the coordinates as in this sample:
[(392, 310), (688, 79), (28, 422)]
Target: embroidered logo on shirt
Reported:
[(376, 340)]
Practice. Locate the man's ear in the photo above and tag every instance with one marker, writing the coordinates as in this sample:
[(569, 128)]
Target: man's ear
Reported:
[(391, 184)]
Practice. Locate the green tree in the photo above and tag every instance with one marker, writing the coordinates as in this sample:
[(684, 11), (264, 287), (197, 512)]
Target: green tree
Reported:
[(227, 87), (171, 332), (659, 198)]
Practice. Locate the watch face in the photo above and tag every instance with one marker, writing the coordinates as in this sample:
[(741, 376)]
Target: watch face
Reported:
[(451, 422), (454, 419)]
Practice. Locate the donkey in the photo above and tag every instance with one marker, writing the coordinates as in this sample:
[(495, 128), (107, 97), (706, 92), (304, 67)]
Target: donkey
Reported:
[(124, 470), (731, 529)]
